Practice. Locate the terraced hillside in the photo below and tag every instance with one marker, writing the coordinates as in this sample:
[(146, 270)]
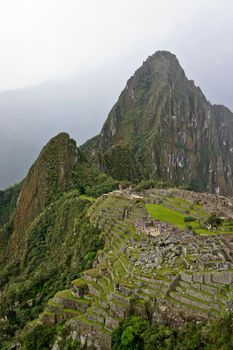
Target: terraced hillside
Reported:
[(174, 205), (174, 275)]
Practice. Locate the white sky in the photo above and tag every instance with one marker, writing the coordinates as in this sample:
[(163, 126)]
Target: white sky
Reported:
[(42, 40), (100, 43)]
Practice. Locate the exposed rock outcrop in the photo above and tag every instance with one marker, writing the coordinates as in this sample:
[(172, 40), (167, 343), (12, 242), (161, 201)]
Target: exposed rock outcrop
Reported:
[(46, 178), (163, 127)]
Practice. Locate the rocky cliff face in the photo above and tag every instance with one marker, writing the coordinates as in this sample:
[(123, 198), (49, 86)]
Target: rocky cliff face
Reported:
[(166, 129), (46, 178)]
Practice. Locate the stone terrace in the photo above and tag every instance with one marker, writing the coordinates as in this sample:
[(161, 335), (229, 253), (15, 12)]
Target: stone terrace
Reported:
[(178, 268)]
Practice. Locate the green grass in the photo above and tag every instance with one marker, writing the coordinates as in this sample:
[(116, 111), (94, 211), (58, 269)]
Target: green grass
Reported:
[(161, 213), (83, 196), (79, 283), (92, 273), (72, 311), (136, 236), (66, 294), (175, 218)]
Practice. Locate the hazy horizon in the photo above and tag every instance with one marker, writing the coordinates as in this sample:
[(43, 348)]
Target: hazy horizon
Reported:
[(64, 63), (58, 40)]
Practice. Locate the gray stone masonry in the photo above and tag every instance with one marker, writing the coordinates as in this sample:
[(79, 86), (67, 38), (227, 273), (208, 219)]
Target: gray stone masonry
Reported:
[(222, 277)]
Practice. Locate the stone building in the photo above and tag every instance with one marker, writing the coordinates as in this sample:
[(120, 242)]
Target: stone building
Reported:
[(148, 227)]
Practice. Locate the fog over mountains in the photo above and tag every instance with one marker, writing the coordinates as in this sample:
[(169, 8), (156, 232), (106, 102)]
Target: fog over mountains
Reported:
[(15, 159), (31, 116), (101, 44)]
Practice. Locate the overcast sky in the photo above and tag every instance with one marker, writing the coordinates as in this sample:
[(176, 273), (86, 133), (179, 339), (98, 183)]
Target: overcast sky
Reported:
[(43, 40), (81, 53)]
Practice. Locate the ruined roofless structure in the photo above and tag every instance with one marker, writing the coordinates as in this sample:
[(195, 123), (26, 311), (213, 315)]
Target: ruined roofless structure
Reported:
[(148, 227)]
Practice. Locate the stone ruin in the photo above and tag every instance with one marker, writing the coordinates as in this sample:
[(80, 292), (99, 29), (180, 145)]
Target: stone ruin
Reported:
[(150, 227), (174, 272)]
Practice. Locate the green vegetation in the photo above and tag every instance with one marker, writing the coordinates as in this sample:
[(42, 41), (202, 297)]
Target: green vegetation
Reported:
[(214, 221), (90, 181), (119, 162), (148, 184), (47, 253), (138, 142), (171, 216), (84, 196), (135, 333), (93, 273), (66, 293), (51, 238), (42, 337), (188, 219), (60, 243), (52, 167), (201, 223), (8, 199)]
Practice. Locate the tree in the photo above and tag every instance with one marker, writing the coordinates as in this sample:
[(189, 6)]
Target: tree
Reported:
[(214, 221), (188, 219)]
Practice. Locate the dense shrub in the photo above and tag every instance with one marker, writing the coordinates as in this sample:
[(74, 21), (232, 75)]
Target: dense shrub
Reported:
[(108, 185), (214, 221), (61, 242), (138, 334), (42, 337), (147, 184), (8, 199), (90, 180), (188, 219)]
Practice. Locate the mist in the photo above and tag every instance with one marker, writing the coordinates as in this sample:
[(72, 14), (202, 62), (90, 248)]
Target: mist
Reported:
[(64, 63)]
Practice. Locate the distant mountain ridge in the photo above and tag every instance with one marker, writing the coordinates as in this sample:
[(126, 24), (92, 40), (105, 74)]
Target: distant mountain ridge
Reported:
[(35, 114), (15, 159), (163, 127)]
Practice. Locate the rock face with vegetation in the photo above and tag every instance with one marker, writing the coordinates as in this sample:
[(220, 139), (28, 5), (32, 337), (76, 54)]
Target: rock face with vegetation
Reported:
[(163, 127), (46, 238), (46, 178), (8, 199)]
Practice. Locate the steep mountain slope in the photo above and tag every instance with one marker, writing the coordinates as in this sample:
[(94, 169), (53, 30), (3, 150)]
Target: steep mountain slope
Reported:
[(163, 127), (44, 181), (48, 239), (8, 200)]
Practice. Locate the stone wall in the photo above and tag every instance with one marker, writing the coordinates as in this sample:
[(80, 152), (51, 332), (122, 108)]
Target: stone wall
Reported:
[(223, 277)]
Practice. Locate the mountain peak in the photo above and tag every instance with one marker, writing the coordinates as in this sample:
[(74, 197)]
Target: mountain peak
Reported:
[(157, 70), (163, 54), (164, 63), (163, 125), (46, 178)]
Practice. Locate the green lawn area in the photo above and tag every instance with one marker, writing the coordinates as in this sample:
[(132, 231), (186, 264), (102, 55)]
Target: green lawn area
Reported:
[(161, 213), (176, 218), (173, 217)]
